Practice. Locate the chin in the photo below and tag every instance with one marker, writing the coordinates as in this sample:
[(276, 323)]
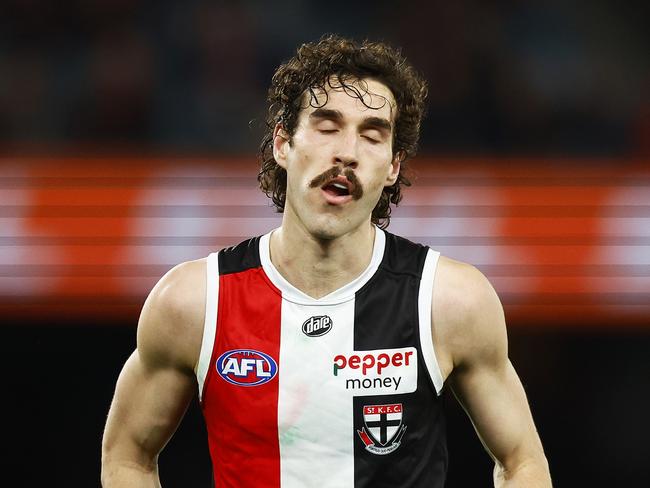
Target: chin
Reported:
[(325, 232), (328, 228)]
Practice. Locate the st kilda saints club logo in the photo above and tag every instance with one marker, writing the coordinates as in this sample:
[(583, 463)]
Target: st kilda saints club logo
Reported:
[(383, 430), (317, 326)]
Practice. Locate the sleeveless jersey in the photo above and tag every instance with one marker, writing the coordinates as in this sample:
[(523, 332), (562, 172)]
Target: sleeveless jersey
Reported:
[(341, 391)]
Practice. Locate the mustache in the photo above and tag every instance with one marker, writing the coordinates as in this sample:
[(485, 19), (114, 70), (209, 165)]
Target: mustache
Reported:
[(356, 189)]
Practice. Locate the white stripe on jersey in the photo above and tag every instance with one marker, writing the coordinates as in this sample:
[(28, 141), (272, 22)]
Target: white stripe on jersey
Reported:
[(315, 419), (424, 312), (210, 322)]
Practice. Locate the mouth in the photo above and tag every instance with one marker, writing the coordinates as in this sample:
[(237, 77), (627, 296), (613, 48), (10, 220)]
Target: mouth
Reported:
[(338, 187), (338, 191)]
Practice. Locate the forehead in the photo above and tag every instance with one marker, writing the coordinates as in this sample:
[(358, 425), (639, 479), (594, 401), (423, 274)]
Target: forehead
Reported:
[(366, 96)]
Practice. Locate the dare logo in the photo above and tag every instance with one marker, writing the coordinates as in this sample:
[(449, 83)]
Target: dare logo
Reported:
[(246, 367), (317, 326)]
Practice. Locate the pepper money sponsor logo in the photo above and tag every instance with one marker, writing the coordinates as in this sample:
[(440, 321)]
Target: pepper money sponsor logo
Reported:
[(378, 372), (246, 367)]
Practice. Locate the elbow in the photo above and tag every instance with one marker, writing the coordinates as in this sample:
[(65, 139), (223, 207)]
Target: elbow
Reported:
[(529, 472), (121, 465), (110, 468)]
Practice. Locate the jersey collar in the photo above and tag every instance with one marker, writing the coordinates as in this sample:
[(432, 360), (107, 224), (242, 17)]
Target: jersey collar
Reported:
[(345, 293)]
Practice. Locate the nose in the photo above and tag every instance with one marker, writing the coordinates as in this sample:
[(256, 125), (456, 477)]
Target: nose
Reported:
[(346, 153)]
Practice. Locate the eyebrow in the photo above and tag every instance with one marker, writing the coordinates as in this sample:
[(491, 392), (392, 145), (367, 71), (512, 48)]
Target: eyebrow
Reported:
[(326, 114), (337, 116), (377, 123)]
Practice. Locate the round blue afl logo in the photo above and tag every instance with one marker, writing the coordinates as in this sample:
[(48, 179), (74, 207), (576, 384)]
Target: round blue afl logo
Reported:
[(246, 367)]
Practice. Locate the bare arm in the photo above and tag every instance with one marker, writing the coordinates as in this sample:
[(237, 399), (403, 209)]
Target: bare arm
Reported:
[(157, 382), (471, 326)]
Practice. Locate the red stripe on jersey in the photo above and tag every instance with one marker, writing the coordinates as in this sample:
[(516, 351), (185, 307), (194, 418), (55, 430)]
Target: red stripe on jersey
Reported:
[(242, 420)]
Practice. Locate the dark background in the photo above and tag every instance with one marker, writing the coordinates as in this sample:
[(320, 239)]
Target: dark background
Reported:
[(507, 78), (588, 393)]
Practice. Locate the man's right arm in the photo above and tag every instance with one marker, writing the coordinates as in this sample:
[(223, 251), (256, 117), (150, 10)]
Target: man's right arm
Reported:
[(157, 382)]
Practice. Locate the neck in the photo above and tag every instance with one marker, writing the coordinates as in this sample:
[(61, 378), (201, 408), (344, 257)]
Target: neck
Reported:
[(319, 266)]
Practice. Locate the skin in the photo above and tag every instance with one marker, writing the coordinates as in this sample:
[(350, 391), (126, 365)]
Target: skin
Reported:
[(333, 243), (157, 382), (331, 240)]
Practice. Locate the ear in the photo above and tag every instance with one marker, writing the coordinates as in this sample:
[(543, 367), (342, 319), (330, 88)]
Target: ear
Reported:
[(393, 170), (281, 141)]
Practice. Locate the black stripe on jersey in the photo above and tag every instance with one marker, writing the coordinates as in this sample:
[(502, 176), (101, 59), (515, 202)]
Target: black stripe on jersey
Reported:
[(243, 256), (386, 317), (402, 256)]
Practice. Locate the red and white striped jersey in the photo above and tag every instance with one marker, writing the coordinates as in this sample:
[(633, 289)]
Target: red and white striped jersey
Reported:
[(341, 391)]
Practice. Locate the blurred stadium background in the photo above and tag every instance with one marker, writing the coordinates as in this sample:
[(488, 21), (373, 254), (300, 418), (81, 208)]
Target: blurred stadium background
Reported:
[(128, 137)]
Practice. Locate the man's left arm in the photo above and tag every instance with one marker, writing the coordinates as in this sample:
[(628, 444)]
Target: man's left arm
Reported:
[(487, 386)]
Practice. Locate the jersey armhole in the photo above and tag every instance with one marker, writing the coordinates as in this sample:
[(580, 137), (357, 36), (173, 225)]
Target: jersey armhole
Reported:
[(425, 296), (210, 322)]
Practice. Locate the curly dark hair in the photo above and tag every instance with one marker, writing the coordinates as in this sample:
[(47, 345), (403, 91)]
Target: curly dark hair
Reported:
[(313, 67)]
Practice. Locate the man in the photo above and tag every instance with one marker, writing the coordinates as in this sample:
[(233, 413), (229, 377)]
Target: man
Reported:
[(320, 349)]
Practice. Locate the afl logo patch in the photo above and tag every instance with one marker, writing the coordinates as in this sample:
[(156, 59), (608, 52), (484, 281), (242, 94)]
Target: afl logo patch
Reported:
[(246, 367), (317, 326)]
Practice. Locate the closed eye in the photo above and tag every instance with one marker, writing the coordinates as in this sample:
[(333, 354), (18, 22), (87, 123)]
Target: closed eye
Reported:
[(372, 140)]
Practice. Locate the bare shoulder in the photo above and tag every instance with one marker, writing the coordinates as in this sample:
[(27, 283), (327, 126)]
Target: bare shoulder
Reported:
[(170, 328), (467, 317)]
